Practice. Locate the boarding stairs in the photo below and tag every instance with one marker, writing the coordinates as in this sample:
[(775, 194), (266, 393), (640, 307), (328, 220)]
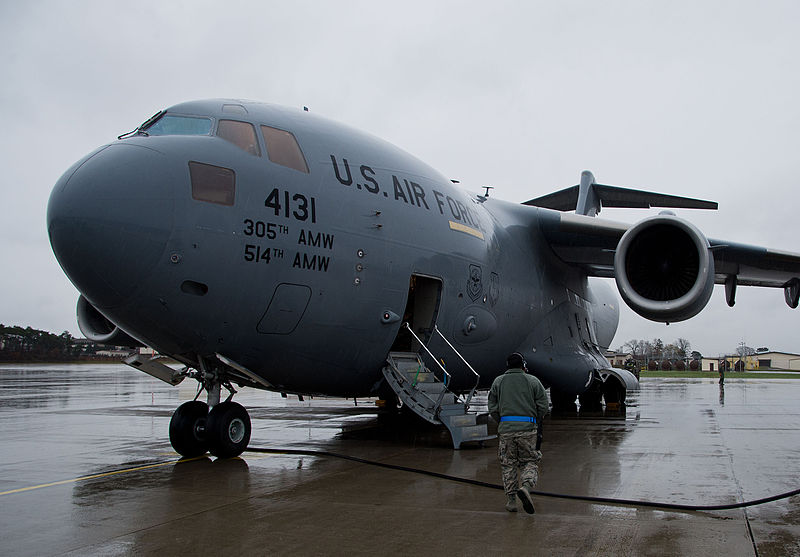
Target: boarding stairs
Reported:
[(430, 398)]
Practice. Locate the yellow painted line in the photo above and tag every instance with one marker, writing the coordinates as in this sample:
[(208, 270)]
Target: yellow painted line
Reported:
[(95, 476), (466, 229)]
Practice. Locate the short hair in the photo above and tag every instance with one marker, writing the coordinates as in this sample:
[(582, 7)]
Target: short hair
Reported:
[(515, 360)]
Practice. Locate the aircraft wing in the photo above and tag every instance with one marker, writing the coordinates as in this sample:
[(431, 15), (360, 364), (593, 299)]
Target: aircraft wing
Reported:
[(665, 268), (650, 247), (589, 242), (753, 265)]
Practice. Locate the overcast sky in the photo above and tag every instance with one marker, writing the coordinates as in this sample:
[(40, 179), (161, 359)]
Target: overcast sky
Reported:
[(692, 98)]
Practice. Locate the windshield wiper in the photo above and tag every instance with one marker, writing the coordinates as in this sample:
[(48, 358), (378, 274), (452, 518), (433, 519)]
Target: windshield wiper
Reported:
[(141, 130)]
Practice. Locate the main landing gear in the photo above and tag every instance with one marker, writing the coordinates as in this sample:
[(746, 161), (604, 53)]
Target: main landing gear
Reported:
[(224, 430), (608, 388)]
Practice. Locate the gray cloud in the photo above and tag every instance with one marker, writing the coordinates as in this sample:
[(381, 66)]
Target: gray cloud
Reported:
[(689, 98)]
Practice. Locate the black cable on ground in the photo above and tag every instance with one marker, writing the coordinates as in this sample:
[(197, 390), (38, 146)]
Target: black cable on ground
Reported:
[(606, 500)]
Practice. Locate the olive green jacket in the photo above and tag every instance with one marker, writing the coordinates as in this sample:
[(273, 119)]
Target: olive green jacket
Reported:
[(516, 393)]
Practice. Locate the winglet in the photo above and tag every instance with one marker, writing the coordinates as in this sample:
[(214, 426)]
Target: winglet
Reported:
[(588, 198)]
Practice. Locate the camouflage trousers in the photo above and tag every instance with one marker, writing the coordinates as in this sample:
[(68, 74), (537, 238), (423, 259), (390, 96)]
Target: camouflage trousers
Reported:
[(519, 460)]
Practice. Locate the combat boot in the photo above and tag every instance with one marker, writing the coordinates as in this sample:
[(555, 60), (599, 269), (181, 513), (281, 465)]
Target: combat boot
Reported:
[(524, 495), (511, 504)]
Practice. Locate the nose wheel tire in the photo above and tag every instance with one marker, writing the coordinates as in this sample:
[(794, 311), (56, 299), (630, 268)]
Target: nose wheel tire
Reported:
[(187, 429), (228, 429)]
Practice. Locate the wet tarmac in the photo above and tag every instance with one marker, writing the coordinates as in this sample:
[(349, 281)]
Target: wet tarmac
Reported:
[(87, 469)]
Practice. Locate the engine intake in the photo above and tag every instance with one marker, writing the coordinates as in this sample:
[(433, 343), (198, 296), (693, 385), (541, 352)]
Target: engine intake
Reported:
[(98, 328), (664, 269)]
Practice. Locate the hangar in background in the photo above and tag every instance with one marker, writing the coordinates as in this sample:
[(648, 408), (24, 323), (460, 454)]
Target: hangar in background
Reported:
[(757, 362), (778, 360)]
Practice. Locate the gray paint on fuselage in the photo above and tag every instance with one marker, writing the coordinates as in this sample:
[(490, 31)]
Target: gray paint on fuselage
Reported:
[(378, 218)]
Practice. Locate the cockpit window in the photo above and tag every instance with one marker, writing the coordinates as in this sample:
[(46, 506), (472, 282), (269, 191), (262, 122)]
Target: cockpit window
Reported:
[(173, 124), (234, 109), (214, 184), (241, 134), (282, 148)]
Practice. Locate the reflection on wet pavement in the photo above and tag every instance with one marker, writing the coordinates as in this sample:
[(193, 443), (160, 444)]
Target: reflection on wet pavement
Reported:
[(681, 441)]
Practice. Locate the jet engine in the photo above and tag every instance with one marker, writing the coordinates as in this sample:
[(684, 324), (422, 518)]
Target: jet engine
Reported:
[(99, 329), (664, 269)]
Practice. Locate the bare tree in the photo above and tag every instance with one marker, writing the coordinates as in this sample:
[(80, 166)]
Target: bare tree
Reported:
[(744, 350), (643, 351), (657, 348), (684, 347)]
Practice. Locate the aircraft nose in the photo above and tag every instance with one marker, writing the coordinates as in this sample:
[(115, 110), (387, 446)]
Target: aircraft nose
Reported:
[(109, 218)]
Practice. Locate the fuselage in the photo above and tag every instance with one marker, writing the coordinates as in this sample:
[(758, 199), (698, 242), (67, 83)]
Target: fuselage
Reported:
[(298, 247)]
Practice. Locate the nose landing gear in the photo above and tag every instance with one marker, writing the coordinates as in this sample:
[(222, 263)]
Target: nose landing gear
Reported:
[(228, 429), (187, 429), (224, 430)]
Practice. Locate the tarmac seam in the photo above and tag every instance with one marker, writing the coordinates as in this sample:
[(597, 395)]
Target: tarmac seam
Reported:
[(736, 481)]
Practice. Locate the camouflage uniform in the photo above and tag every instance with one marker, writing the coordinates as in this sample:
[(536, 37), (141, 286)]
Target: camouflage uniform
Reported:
[(518, 453), (516, 393)]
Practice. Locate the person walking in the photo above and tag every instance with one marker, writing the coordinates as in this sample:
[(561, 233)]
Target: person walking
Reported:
[(518, 402)]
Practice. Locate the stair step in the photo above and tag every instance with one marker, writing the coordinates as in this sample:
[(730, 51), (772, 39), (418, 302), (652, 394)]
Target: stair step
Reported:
[(475, 433), (421, 377), (463, 420), (447, 399), (420, 390), (431, 388)]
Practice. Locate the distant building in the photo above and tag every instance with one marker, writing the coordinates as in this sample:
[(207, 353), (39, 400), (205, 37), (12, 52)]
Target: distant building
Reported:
[(617, 359), (778, 360), (755, 362), (710, 364)]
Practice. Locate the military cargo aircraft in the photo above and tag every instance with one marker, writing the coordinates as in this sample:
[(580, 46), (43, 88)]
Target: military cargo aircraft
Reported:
[(268, 247)]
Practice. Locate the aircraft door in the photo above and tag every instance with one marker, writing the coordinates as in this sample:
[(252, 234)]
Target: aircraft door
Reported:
[(422, 308)]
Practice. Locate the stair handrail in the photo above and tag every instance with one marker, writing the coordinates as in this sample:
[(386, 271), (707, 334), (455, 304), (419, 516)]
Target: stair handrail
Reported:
[(446, 388), (477, 376)]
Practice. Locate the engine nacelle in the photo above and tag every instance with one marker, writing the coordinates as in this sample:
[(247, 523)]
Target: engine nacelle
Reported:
[(664, 269), (96, 327)]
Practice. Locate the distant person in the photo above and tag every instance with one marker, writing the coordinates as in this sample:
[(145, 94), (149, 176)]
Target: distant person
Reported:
[(518, 402)]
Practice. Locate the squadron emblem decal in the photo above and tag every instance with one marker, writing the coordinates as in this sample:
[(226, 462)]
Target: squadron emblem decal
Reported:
[(475, 283), (494, 288)]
